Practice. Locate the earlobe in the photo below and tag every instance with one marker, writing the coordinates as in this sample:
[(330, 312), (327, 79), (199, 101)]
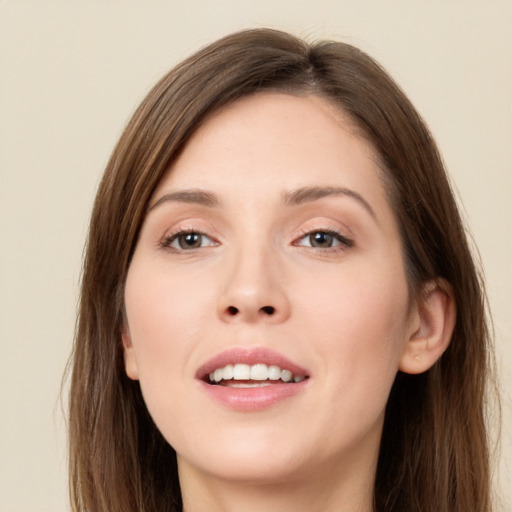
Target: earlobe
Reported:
[(130, 360), (434, 321)]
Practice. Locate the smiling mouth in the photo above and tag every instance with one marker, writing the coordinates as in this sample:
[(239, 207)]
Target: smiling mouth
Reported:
[(252, 376)]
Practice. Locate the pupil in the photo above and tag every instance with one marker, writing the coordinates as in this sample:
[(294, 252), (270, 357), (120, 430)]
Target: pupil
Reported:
[(321, 239), (190, 240)]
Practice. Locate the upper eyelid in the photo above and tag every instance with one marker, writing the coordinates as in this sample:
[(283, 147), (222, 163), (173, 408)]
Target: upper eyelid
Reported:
[(190, 225), (326, 226), (168, 225), (325, 219)]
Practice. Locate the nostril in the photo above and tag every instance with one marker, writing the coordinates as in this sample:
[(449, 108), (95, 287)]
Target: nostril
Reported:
[(269, 310), (232, 310)]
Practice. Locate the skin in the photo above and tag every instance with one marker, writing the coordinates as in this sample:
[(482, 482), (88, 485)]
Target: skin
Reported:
[(341, 312)]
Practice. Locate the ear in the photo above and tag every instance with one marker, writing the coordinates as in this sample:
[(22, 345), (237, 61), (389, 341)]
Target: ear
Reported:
[(432, 324), (130, 359)]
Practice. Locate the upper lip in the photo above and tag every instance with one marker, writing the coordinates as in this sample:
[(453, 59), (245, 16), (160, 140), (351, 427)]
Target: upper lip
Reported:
[(250, 356)]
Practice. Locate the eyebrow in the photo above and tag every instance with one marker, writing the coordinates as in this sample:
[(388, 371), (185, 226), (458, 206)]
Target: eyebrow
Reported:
[(308, 194), (188, 196), (293, 198)]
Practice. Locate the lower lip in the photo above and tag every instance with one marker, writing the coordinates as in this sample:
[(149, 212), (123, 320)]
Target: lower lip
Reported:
[(253, 399)]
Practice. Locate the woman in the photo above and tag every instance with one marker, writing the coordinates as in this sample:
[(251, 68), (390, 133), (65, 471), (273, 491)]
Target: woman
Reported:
[(279, 308)]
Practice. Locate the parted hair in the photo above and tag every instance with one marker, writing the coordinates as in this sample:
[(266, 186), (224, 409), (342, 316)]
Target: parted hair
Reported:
[(434, 454)]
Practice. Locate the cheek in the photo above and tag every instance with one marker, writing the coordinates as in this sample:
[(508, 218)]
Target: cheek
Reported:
[(360, 321), (164, 323), (166, 319)]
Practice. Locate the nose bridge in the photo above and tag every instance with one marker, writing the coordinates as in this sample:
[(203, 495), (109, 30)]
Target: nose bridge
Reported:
[(254, 285)]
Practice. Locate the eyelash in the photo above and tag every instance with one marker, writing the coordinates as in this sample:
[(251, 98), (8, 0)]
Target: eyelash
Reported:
[(344, 242), (168, 240)]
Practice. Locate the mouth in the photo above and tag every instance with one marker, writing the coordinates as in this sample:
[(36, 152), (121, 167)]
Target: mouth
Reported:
[(251, 376), (251, 379)]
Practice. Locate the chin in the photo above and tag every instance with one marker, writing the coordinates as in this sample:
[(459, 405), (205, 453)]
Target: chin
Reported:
[(247, 458)]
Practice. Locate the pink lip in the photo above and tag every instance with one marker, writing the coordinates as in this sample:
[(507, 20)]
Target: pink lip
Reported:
[(251, 399), (249, 356)]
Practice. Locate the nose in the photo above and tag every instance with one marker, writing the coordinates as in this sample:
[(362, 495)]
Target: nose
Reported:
[(254, 289)]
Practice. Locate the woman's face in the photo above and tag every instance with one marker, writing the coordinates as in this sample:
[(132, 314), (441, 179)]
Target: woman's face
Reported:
[(269, 252)]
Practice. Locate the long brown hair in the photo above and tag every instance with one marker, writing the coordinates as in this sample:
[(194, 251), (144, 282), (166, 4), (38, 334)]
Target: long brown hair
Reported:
[(434, 452)]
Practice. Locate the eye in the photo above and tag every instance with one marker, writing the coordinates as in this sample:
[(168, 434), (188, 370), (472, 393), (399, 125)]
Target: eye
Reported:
[(187, 240), (323, 240)]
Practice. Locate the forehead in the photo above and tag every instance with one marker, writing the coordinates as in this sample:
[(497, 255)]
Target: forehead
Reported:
[(275, 142)]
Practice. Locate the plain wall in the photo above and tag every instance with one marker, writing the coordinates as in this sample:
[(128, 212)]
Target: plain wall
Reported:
[(72, 72)]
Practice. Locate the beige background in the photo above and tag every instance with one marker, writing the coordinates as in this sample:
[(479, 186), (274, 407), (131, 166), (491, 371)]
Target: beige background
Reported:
[(71, 72)]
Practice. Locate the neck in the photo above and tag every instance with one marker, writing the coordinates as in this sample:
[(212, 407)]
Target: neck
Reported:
[(349, 490)]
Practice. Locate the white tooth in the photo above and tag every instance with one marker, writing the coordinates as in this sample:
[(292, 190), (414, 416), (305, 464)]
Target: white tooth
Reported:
[(243, 385), (259, 372), (212, 375), (298, 378), (241, 372), (228, 372), (286, 375), (218, 374), (274, 372)]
